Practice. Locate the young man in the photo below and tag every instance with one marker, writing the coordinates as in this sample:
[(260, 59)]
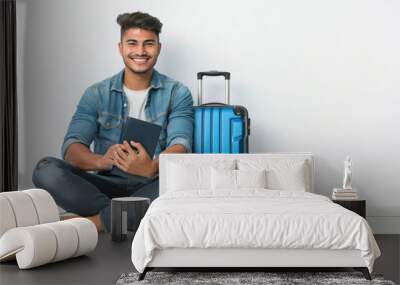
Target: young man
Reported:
[(137, 91)]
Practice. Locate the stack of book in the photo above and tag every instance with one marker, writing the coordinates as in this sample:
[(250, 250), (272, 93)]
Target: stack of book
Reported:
[(344, 194)]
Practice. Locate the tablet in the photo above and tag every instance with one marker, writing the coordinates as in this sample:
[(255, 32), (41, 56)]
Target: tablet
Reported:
[(142, 132), (138, 131)]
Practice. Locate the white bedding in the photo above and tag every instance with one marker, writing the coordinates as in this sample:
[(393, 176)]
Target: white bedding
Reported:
[(250, 218)]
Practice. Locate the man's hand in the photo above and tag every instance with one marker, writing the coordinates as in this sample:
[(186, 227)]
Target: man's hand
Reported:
[(106, 162), (132, 161), (80, 156)]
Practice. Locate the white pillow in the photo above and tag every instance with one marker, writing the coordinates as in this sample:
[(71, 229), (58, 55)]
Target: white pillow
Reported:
[(223, 179), (282, 174), (251, 178), (237, 179), (188, 176)]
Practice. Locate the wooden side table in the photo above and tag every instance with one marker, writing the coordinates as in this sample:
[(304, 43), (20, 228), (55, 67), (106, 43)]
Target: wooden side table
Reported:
[(357, 206)]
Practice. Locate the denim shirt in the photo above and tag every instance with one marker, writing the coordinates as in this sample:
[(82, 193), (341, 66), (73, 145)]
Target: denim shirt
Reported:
[(103, 109)]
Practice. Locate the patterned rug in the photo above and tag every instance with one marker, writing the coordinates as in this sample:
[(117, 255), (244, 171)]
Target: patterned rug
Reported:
[(244, 278)]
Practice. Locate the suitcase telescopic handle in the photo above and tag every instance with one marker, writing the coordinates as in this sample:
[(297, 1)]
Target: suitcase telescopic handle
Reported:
[(225, 74)]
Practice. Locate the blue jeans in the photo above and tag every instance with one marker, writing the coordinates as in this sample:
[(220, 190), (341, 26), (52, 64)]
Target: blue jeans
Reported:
[(88, 194)]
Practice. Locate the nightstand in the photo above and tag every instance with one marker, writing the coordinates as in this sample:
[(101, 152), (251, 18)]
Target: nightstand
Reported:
[(357, 206)]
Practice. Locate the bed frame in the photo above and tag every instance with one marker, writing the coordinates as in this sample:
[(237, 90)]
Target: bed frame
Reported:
[(236, 259), (250, 259)]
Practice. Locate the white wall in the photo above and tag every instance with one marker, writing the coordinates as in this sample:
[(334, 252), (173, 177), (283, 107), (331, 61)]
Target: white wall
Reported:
[(319, 76)]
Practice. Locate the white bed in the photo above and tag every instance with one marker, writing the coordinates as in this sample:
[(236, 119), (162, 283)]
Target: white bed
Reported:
[(215, 211)]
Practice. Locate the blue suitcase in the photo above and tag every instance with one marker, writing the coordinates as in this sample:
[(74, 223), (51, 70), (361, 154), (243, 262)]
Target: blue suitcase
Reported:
[(220, 128)]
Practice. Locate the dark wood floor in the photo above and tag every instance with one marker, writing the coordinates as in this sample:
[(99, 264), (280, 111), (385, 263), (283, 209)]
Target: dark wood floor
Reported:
[(110, 260), (389, 262)]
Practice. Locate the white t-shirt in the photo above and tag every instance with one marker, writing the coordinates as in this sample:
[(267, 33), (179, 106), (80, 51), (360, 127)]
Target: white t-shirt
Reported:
[(136, 102)]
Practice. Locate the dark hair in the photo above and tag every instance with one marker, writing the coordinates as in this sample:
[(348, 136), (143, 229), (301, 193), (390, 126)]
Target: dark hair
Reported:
[(139, 20)]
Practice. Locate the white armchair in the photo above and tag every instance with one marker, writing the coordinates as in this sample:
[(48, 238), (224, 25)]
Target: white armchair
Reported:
[(31, 232)]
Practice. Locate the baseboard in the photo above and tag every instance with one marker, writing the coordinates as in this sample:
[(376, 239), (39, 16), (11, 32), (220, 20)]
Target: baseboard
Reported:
[(384, 225)]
